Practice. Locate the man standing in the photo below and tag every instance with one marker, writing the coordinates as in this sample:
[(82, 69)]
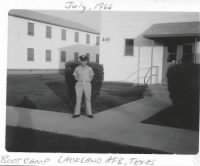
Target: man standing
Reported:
[(84, 75)]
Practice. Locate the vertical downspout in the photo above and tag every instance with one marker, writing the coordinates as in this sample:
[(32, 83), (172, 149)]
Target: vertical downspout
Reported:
[(138, 73), (195, 51), (152, 45)]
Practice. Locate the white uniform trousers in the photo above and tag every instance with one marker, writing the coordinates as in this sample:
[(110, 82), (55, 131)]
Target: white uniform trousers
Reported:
[(80, 88)]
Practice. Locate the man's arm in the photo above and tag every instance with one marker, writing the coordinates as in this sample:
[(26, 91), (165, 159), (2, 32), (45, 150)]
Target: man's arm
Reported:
[(91, 74), (75, 74)]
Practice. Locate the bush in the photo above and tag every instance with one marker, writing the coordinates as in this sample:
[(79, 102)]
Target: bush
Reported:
[(96, 82), (183, 86)]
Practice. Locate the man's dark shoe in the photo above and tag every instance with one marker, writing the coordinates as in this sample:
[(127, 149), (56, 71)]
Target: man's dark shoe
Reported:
[(75, 116), (90, 116)]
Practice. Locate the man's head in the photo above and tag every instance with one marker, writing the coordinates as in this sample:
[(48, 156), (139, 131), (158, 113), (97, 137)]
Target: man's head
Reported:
[(83, 60)]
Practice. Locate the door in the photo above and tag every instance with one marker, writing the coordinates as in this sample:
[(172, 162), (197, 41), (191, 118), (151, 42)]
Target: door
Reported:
[(188, 53), (175, 54)]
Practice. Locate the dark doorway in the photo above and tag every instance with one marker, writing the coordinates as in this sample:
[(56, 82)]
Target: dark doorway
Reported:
[(176, 52), (187, 53)]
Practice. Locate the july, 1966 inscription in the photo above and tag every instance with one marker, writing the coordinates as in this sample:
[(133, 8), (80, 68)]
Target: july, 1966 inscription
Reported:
[(83, 7)]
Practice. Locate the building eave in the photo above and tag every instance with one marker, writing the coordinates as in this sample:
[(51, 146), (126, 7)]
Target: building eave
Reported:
[(52, 23), (169, 30)]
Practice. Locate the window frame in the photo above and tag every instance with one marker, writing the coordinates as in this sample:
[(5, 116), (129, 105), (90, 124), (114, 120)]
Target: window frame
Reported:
[(127, 49), (76, 36), (88, 56), (31, 29), (172, 53), (97, 58), (63, 55), (63, 34), (30, 55), (97, 40), (76, 56), (48, 32), (48, 57), (87, 38)]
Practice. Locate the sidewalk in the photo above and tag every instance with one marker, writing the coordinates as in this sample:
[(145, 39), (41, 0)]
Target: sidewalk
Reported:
[(120, 125)]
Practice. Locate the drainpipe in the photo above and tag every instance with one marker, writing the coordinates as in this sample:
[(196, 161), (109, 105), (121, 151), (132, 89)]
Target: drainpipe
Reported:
[(152, 45), (195, 51), (138, 73)]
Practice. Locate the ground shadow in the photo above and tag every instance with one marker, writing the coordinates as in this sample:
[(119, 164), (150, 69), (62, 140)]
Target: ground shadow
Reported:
[(60, 90), (111, 95), (39, 89), (172, 117), (50, 142), (15, 140)]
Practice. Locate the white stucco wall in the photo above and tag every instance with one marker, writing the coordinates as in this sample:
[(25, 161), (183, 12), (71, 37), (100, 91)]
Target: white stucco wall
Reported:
[(19, 41), (117, 26)]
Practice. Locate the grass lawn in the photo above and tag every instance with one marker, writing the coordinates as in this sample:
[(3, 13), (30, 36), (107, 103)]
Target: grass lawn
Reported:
[(176, 118), (49, 92), (28, 140)]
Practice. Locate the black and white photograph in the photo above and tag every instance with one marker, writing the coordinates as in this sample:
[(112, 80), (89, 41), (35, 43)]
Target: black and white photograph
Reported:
[(124, 82)]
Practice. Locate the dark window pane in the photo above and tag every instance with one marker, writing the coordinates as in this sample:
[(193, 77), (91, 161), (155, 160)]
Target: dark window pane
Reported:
[(187, 49), (76, 55), (88, 55), (63, 34), (48, 32), (129, 43), (172, 49), (187, 54), (171, 58), (48, 55), (63, 56), (88, 39), (172, 53), (97, 40), (97, 58), (30, 29), (30, 54), (76, 37)]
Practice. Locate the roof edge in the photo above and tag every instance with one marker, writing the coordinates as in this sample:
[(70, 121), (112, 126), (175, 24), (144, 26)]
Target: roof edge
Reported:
[(172, 35), (41, 21)]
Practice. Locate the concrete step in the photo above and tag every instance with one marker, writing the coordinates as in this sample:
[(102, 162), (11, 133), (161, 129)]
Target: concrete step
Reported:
[(148, 92), (158, 91)]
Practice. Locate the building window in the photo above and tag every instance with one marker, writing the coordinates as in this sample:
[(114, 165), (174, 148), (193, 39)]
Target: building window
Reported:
[(76, 55), (172, 52), (63, 34), (30, 29), (30, 54), (63, 56), (88, 56), (97, 40), (48, 55), (129, 43), (88, 39), (76, 39), (97, 58), (48, 32)]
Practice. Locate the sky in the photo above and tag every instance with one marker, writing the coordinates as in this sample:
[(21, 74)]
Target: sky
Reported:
[(87, 18)]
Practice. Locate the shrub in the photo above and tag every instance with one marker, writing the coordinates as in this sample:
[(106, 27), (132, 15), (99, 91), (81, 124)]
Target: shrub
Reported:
[(183, 86), (96, 82)]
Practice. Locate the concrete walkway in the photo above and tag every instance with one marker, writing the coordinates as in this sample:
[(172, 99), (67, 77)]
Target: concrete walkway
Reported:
[(120, 125)]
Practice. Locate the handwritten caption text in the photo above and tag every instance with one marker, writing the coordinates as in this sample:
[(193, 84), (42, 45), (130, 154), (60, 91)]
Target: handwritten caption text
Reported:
[(65, 159)]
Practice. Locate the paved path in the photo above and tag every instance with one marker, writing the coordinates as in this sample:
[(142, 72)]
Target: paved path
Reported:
[(120, 125)]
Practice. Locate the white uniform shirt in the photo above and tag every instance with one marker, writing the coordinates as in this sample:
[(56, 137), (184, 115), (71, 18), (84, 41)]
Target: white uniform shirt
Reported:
[(83, 73)]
